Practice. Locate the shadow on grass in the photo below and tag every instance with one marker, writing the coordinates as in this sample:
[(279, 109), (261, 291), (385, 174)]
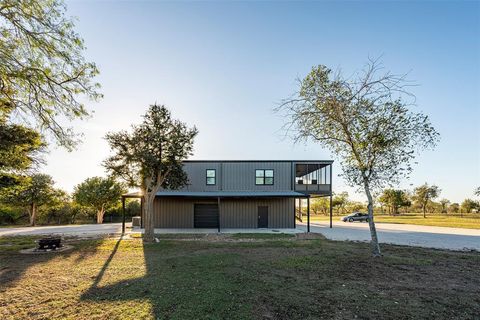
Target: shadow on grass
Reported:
[(13, 264), (285, 279), (99, 277), (183, 279)]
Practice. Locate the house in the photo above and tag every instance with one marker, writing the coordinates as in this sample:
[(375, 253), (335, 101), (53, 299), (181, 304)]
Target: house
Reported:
[(243, 193)]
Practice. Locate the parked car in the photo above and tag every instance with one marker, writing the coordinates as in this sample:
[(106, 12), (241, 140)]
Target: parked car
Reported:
[(356, 216)]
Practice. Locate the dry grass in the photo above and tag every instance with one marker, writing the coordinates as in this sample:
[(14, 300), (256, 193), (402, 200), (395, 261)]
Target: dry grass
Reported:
[(469, 221), (270, 278)]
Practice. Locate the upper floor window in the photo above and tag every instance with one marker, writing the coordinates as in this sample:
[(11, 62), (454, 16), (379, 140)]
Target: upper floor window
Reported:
[(211, 176), (312, 173), (264, 177)]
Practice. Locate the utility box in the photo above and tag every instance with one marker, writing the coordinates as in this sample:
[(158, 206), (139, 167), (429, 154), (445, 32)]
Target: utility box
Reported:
[(137, 221)]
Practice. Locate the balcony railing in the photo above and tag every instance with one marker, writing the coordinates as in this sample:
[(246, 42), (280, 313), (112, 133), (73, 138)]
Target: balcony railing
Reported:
[(313, 188), (313, 178)]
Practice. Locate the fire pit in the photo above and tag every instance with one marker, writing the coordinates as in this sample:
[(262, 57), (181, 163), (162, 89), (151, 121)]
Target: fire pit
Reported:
[(49, 243)]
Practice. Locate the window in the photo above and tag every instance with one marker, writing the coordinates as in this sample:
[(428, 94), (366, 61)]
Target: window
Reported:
[(312, 173), (211, 176), (264, 177)]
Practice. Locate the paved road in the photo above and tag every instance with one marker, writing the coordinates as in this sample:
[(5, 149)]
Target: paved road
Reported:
[(402, 234)]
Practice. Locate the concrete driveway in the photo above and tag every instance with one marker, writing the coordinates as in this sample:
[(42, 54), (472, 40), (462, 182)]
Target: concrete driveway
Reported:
[(116, 228), (402, 234), (68, 230)]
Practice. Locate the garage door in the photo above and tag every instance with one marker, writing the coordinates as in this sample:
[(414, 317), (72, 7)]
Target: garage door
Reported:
[(205, 216)]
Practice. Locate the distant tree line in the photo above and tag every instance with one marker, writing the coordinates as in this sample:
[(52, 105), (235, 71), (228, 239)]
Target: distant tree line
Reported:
[(422, 199), (35, 200)]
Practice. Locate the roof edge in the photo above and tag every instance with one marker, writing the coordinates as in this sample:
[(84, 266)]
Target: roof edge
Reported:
[(326, 161)]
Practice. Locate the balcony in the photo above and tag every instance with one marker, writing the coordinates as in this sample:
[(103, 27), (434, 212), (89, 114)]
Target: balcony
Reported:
[(313, 178)]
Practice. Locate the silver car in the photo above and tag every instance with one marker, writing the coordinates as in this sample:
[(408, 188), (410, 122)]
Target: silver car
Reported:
[(356, 216)]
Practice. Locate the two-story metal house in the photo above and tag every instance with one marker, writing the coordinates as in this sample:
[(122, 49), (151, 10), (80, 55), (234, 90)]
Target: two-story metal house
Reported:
[(242, 193)]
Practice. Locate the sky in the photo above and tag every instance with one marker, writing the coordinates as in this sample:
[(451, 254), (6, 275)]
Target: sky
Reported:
[(224, 66)]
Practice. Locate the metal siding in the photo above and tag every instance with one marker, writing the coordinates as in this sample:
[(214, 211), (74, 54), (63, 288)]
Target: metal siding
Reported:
[(239, 176), (234, 213), (243, 213), (197, 176), (173, 213)]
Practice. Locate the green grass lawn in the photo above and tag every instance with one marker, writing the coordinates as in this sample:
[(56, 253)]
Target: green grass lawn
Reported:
[(280, 277), (469, 221)]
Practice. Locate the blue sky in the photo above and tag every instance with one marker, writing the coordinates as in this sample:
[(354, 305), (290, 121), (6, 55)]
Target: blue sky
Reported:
[(223, 66)]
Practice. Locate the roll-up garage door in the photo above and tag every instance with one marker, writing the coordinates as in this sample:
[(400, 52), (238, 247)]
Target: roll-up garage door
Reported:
[(205, 216)]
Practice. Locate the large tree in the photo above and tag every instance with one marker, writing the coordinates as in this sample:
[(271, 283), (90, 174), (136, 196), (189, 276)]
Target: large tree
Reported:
[(42, 69), (454, 207), (340, 201), (424, 194), (468, 205), (320, 205), (20, 148), (394, 199), (365, 120), (444, 203), (99, 194), (33, 192), (150, 157)]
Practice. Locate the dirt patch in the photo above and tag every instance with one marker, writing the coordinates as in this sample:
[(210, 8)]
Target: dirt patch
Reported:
[(309, 236)]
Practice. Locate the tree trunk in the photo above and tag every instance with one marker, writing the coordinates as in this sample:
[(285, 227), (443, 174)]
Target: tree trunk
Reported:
[(148, 236), (100, 214), (424, 210), (373, 231), (33, 214)]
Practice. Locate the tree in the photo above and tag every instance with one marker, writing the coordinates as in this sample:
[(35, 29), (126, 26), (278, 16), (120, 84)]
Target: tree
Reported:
[(42, 70), (394, 199), (99, 194), (58, 209), (340, 201), (468, 205), (354, 206), (320, 205), (424, 194), (444, 203), (33, 192), (454, 207), (20, 148), (150, 157), (365, 121), (477, 192)]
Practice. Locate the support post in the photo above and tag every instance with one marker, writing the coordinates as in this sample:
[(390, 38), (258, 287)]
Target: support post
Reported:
[(218, 217), (123, 215), (331, 193), (330, 211), (300, 209), (295, 213), (308, 214)]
